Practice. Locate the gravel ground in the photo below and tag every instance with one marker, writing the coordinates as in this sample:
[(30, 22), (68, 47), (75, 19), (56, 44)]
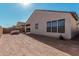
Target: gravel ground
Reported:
[(24, 45)]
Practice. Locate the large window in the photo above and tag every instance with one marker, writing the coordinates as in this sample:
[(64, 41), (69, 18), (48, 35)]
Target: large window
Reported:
[(49, 26), (36, 26), (54, 26), (61, 26)]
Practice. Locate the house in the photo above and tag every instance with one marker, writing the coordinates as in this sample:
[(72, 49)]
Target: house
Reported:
[(21, 26), (53, 23)]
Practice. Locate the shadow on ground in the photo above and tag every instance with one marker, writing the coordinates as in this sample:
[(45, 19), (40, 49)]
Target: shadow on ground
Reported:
[(69, 46)]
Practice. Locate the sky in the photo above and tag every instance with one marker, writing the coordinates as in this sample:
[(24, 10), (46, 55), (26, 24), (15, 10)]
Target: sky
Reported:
[(11, 13)]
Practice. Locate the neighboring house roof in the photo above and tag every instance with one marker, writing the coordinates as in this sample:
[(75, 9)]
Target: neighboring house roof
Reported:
[(20, 23)]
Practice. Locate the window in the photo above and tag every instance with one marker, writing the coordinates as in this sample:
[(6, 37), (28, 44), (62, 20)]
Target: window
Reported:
[(61, 26), (36, 26), (49, 26), (28, 30), (54, 26)]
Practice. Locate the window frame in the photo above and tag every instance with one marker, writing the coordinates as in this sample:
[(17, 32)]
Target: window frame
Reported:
[(62, 28), (36, 26), (49, 26), (54, 29)]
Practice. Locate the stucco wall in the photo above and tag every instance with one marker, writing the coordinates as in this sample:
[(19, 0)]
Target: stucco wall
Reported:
[(42, 17), (74, 27)]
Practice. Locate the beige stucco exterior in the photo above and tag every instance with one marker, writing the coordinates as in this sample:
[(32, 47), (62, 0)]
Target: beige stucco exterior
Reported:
[(41, 17), (74, 27)]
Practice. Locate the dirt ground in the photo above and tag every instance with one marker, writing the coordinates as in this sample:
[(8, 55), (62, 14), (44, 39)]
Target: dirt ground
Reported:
[(28, 45)]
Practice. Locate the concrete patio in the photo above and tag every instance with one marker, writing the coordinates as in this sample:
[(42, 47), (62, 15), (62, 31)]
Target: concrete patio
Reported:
[(30, 45)]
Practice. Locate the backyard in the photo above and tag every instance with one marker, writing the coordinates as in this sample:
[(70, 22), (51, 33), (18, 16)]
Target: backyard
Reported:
[(36, 45)]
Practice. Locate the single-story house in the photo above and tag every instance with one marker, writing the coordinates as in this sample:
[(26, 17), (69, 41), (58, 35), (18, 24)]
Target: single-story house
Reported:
[(21, 26), (53, 23)]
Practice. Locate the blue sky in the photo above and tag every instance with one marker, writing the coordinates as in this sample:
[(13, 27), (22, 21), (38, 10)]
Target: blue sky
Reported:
[(11, 13)]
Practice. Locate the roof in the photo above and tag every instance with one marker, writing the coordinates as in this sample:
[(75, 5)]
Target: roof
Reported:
[(55, 11), (74, 14), (20, 23)]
